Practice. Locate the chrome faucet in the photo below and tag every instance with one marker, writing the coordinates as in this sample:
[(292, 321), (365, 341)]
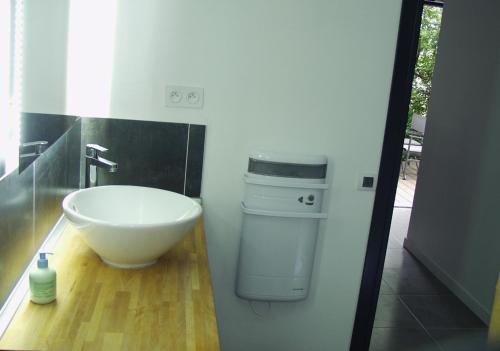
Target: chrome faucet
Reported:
[(93, 160)]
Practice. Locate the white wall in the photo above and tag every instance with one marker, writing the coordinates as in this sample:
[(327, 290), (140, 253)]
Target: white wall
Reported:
[(44, 53), (300, 76), (454, 226)]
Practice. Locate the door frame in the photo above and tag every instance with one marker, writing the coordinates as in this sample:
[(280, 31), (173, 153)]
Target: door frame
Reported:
[(397, 116)]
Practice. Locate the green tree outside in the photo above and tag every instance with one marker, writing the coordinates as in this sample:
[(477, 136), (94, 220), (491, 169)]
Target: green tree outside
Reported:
[(426, 58)]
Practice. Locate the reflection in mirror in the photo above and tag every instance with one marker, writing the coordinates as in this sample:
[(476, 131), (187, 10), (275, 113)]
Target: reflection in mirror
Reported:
[(10, 77), (32, 78), (36, 148), (38, 132), (32, 119)]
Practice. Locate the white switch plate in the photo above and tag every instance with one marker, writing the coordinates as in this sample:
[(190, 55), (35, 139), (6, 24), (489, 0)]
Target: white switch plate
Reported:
[(182, 96)]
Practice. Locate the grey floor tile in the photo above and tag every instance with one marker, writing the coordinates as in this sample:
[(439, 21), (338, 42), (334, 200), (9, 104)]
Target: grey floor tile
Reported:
[(397, 339), (385, 289), (400, 259), (416, 281), (461, 339), (441, 311), (391, 312)]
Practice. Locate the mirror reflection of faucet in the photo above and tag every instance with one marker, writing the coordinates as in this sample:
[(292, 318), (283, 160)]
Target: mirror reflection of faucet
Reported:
[(37, 148), (93, 160), (29, 152)]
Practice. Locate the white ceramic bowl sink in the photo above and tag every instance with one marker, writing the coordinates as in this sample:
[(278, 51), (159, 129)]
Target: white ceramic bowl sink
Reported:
[(130, 226)]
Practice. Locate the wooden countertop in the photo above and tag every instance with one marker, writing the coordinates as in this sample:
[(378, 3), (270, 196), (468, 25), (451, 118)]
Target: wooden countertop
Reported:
[(494, 334), (168, 306)]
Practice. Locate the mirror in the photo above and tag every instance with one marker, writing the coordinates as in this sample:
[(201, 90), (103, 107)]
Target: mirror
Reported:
[(8, 103), (33, 55)]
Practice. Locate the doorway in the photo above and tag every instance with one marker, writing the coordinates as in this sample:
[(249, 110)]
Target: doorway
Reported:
[(403, 280)]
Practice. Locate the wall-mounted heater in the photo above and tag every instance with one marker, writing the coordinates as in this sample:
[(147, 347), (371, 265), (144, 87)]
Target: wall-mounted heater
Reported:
[(281, 213)]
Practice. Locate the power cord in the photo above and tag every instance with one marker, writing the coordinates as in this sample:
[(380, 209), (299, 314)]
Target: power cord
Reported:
[(261, 315)]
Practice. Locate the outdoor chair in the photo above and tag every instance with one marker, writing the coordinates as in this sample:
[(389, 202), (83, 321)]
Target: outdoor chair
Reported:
[(412, 145)]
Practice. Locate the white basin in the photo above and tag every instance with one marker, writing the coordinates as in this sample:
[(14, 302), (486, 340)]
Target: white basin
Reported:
[(130, 226)]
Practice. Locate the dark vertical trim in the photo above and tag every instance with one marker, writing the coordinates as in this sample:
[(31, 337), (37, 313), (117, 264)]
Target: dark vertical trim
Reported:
[(187, 154), (194, 164), (397, 115)]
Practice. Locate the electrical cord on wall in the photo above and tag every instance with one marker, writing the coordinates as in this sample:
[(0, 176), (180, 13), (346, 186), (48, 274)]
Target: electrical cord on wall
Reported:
[(261, 315)]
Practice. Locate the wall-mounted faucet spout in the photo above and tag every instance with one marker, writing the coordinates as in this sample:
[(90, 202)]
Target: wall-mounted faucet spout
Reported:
[(93, 160)]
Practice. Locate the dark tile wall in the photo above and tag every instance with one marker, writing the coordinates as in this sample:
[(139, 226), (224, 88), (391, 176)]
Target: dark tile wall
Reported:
[(57, 173), (16, 227), (41, 127), (154, 154), (194, 165), (30, 204)]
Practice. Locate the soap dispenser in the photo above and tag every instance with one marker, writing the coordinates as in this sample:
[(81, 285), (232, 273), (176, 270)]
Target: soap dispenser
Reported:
[(43, 281)]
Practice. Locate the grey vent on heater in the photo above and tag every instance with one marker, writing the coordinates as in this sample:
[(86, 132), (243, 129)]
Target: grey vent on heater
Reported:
[(289, 170)]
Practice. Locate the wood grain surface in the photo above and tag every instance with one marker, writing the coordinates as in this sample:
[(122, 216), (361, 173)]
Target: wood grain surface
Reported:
[(168, 306)]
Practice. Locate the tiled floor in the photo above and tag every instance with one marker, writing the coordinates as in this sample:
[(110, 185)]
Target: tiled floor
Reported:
[(415, 311)]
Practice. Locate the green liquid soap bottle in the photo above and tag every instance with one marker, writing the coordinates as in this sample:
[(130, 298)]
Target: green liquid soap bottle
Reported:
[(43, 282)]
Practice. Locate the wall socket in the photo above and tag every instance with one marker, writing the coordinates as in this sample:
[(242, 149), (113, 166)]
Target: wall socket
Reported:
[(182, 96)]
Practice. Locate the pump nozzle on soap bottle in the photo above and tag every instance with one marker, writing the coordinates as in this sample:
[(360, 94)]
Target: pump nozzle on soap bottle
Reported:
[(43, 262), (43, 281)]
